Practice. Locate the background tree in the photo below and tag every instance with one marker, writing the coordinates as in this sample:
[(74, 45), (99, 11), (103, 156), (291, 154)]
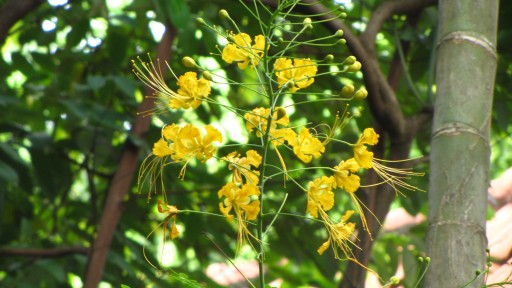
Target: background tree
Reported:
[(69, 103)]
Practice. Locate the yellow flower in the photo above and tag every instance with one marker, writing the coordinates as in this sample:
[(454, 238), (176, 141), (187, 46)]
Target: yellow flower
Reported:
[(183, 143), (257, 118), (240, 200), (339, 235), (162, 148), (242, 52), (344, 176), (320, 196), (171, 212), (241, 166), (243, 201), (361, 154), (306, 146), (190, 93), (300, 73), (190, 143)]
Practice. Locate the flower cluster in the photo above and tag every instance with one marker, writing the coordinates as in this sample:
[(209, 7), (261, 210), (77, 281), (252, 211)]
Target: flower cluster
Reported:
[(243, 192)]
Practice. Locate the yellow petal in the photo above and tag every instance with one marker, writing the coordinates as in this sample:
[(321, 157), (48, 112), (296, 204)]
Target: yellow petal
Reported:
[(174, 229), (363, 156), (161, 148), (323, 247)]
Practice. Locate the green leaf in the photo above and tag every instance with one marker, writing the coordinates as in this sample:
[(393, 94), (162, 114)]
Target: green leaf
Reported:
[(77, 33), (51, 167), (177, 11), (7, 174)]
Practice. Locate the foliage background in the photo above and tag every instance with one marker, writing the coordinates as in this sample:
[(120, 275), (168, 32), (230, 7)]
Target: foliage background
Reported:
[(68, 100)]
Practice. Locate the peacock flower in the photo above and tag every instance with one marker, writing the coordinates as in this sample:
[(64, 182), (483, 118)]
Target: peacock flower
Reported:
[(300, 74), (258, 119), (320, 195), (361, 154), (241, 166), (182, 143), (245, 205), (242, 52), (191, 90), (306, 146), (346, 179), (395, 177), (344, 176), (339, 236), (171, 212)]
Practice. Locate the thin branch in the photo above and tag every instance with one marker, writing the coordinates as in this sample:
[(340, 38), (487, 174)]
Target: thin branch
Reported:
[(386, 10), (13, 11), (43, 253), (122, 180)]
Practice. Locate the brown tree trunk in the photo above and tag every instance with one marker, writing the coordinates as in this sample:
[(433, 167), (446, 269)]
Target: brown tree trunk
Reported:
[(122, 180)]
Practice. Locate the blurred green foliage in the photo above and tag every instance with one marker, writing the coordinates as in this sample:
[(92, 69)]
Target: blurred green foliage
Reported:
[(68, 99)]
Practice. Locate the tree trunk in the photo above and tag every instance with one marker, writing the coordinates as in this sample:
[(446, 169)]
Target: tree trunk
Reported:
[(122, 179), (460, 150)]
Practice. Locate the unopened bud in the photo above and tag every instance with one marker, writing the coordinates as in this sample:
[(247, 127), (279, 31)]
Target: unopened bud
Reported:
[(347, 91), (394, 280), (427, 259), (224, 14), (290, 84), (361, 94), (338, 33), (354, 67), (200, 21), (188, 62), (280, 40), (231, 38), (280, 113), (343, 15), (342, 41), (329, 58), (307, 23), (207, 75), (350, 60)]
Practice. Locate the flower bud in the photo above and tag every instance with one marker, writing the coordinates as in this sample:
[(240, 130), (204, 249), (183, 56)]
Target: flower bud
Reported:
[(350, 60), (188, 62), (354, 67), (231, 38), (200, 21), (394, 280), (207, 75), (307, 23), (361, 94), (347, 91), (280, 40), (342, 41), (224, 14), (343, 15), (329, 58), (338, 33), (280, 113), (290, 84)]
